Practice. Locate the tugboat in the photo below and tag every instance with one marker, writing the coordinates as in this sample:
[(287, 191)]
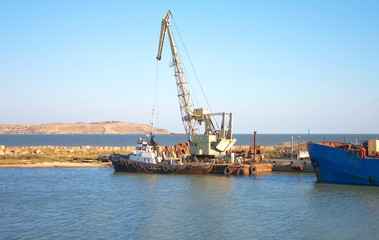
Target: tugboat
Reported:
[(146, 159), (144, 153), (346, 163)]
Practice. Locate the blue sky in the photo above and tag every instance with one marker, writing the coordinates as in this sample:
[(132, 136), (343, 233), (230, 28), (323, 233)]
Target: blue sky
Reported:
[(279, 66)]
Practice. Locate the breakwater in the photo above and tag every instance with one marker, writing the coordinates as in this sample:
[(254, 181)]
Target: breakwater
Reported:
[(86, 150), (63, 150), (264, 153)]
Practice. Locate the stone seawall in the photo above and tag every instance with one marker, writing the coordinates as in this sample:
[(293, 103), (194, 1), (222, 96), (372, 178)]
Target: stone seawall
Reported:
[(95, 150), (62, 150)]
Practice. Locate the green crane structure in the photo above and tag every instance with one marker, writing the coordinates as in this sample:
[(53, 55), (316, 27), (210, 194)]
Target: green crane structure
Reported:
[(213, 142)]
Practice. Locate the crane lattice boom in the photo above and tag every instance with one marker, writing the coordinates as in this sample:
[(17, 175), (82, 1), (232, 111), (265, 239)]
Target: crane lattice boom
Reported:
[(185, 100)]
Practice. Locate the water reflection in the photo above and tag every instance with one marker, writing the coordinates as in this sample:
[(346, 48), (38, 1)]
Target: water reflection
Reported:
[(98, 203)]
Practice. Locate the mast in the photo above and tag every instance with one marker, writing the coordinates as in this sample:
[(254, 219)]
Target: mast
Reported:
[(153, 122), (186, 104)]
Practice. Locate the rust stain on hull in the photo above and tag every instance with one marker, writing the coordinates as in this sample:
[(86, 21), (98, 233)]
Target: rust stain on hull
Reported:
[(123, 165)]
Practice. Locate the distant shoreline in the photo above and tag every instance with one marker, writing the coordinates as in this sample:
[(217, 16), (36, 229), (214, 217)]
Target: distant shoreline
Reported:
[(85, 133), (105, 127)]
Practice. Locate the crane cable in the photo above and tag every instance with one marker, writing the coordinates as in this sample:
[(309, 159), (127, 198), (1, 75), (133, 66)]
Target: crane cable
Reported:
[(192, 90), (353, 115), (373, 117), (193, 69), (155, 109)]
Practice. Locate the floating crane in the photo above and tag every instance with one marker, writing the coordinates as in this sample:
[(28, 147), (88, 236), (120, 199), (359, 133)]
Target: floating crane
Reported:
[(214, 142)]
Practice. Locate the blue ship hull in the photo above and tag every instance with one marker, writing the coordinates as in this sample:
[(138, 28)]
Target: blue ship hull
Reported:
[(338, 166)]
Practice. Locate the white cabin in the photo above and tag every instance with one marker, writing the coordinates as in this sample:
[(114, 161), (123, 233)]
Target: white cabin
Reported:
[(144, 153)]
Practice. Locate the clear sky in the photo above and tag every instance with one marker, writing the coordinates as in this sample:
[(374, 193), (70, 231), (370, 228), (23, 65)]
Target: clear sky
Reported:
[(279, 66)]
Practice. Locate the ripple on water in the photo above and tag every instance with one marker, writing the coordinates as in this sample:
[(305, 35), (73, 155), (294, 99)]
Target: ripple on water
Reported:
[(98, 203)]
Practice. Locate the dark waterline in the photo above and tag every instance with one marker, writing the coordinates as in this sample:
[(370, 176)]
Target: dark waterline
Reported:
[(166, 140), (100, 204)]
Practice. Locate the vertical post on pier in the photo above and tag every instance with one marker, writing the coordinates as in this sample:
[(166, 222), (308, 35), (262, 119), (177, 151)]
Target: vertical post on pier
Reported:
[(255, 145), (291, 147), (298, 147)]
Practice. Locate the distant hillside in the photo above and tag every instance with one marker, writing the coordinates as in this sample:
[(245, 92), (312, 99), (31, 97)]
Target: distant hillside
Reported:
[(114, 127)]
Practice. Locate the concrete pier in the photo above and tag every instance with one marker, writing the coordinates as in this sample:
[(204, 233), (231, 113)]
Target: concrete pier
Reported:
[(263, 163)]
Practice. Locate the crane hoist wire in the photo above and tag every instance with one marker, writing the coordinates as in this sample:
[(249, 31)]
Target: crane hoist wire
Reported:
[(193, 69), (375, 113), (193, 92), (354, 114), (155, 109)]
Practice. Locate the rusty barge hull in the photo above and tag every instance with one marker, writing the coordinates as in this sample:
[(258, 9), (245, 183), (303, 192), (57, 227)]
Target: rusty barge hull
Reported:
[(126, 165), (141, 167)]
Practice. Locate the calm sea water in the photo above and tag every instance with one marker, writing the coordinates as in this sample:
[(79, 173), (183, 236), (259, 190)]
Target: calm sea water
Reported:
[(96, 203), (167, 140)]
